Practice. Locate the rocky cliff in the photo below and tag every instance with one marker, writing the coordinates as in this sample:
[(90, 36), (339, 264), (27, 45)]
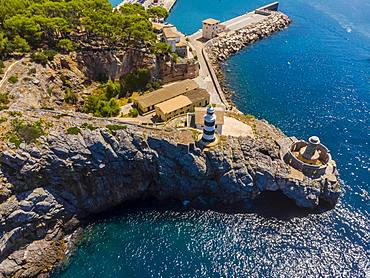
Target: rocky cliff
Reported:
[(46, 188)]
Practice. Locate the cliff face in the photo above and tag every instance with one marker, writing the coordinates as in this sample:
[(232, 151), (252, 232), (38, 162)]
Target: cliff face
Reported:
[(46, 187)]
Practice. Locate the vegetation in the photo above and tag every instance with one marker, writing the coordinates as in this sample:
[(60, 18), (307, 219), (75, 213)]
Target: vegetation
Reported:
[(103, 102), (73, 130), (13, 79), (42, 57), (100, 105), (70, 97), (114, 128), (88, 126), (133, 113), (27, 25), (22, 132), (4, 101), (157, 12)]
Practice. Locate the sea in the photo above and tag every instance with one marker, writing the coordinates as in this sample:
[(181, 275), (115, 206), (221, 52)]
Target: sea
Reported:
[(311, 79)]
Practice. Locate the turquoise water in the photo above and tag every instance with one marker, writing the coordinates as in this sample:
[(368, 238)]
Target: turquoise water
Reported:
[(313, 78)]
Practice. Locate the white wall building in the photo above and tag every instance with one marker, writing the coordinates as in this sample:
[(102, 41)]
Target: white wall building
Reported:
[(211, 27)]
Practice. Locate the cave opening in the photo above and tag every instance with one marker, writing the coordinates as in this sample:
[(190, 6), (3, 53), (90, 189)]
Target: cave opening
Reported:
[(275, 204)]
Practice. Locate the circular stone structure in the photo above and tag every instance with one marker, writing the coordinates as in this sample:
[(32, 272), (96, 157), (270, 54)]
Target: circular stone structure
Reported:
[(311, 158)]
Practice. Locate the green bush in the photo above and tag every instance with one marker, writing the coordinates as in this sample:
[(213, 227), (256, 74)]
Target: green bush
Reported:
[(88, 126), (24, 132), (4, 99), (73, 130), (114, 128), (3, 120), (133, 113), (65, 45), (13, 79), (136, 81), (70, 97), (50, 54), (102, 102), (39, 58)]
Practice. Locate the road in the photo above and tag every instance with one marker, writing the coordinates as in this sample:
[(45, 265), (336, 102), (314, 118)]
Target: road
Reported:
[(204, 79)]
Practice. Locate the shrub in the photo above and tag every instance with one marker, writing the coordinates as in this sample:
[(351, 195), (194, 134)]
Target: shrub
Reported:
[(100, 104), (13, 79), (136, 81), (50, 54), (3, 120), (32, 71), (50, 90), (112, 89), (175, 57), (24, 132), (73, 130), (2, 66), (66, 81), (65, 45), (133, 113), (88, 126), (19, 44), (114, 128), (70, 97), (39, 58), (4, 98)]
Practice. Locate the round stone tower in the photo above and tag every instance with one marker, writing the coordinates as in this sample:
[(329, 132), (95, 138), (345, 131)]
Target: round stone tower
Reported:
[(310, 152), (209, 126)]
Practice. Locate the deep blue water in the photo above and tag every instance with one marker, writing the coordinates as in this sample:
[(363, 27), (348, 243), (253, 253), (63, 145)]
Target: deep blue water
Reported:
[(313, 78)]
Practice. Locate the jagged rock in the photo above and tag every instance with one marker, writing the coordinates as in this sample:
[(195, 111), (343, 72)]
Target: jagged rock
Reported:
[(66, 177)]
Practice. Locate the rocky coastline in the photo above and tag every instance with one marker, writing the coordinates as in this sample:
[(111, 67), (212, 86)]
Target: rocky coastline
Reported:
[(221, 48), (48, 188)]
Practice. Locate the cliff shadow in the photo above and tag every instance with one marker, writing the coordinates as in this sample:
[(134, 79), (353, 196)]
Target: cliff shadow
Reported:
[(274, 204)]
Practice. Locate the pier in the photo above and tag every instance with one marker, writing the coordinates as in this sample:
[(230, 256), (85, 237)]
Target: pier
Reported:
[(235, 30)]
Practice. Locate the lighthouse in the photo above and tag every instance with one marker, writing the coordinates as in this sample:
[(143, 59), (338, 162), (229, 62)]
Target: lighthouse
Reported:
[(209, 126)]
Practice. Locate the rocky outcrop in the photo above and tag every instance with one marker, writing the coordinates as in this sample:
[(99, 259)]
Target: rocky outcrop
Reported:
[(69, 177), (112, 64)]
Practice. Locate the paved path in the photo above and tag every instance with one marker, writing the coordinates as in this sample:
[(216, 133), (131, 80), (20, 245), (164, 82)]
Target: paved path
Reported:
[(204, 79), (243, 21), (236, 128), (5, 77)]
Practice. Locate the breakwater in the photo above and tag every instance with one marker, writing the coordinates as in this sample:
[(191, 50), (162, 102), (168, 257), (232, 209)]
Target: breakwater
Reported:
[(222, 47)]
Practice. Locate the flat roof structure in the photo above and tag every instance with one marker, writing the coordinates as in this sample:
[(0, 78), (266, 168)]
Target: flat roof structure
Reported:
[(174, 104), (171, 32), (211, 21), (166, 93), (184, 100), (201, 111)]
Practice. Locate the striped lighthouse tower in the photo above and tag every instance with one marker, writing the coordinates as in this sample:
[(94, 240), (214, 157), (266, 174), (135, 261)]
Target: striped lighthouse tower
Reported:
[(209, 126)]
